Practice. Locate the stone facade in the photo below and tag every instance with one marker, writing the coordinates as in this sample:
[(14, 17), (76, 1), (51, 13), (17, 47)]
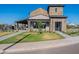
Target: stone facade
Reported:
[(56, 16), (53, 18), (53, 13)]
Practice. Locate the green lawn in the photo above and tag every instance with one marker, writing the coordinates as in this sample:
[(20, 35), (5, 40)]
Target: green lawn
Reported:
[(13, 39), (42, 37), (32, 37)]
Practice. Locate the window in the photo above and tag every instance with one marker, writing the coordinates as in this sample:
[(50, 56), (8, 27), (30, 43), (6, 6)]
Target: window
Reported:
[(55, 9)]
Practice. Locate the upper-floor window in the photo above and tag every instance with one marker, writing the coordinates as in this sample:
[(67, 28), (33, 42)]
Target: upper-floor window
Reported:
[(55, 9)]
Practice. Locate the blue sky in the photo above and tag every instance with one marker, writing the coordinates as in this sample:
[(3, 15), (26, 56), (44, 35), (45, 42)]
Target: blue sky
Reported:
[(9, 13)]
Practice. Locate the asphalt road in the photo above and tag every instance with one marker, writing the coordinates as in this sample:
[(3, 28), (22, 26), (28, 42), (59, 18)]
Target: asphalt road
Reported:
[(71, 49)]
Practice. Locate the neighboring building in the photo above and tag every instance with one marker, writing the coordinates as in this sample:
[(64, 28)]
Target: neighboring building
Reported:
[(52, 19)]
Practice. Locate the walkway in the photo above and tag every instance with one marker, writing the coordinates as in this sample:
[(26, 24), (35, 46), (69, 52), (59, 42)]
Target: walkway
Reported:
[(10, 35), (63, 34), (33, 46)]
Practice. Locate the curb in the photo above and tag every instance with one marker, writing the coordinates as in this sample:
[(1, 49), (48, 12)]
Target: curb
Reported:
[(38, 48), (1, 51)]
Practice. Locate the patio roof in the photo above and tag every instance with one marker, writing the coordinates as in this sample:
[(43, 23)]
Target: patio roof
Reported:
[(39, 17), (22, 21)]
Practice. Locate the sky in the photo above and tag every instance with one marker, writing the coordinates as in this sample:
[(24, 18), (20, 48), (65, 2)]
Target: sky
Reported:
[(9, 13)]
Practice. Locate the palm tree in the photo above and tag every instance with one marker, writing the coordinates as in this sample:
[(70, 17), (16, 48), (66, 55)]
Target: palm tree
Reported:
[(39, 26)]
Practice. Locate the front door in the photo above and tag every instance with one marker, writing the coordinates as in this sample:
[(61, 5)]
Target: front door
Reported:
[(58, 26)]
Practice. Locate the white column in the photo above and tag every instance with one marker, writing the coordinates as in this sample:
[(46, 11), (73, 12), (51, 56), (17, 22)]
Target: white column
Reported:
[(29, 25)]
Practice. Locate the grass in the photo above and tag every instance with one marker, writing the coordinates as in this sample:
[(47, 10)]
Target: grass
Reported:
[(4, 33), (13, 39), (42, 37), (33, 37), (51, 36)]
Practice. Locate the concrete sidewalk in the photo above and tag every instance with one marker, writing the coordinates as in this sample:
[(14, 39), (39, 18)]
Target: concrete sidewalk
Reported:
[(32, 46), (63, 34), (10, 35), (2, 46)]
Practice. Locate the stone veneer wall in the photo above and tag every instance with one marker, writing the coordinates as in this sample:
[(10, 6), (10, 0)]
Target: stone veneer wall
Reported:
[(52, 24), (53, 13)]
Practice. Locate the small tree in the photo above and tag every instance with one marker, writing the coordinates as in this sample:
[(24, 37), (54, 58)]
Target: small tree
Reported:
[(39, 26)]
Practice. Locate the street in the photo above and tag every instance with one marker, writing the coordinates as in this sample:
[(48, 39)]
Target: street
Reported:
[(71, 49)]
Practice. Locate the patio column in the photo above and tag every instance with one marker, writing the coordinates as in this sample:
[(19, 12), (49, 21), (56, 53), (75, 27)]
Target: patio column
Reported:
[(64, 25), (29, 26), (17, 26), (22, 27), (53, 25), (50, 26)]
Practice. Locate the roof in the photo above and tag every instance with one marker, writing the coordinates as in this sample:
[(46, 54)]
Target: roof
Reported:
[(22, 21), (39, 17), (56, 5), (58, 16), (39, 11)]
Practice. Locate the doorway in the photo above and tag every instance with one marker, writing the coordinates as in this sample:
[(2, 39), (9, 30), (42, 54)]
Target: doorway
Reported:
[(58, 26)]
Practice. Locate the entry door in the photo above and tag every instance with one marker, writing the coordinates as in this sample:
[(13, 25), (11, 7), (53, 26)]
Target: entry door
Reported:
[(58, 26)]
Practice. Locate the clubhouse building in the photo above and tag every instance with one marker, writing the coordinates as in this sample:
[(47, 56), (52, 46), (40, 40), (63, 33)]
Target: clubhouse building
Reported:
[(52, 19)]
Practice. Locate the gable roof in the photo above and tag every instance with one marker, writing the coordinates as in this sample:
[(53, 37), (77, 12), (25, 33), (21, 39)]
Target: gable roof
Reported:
[(38, 12)]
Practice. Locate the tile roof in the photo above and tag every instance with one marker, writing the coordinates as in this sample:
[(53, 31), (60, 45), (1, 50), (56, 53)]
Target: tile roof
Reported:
[(38, 12)]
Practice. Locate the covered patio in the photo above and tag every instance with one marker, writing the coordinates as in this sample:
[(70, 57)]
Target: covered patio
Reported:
[(21, 25), (32, 22)]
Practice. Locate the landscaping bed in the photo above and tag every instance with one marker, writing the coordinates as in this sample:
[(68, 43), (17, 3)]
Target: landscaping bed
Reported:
[(33, 37), (72, 32)]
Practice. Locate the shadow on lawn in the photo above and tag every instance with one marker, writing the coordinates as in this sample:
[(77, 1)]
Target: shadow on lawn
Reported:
[(14, 44)]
